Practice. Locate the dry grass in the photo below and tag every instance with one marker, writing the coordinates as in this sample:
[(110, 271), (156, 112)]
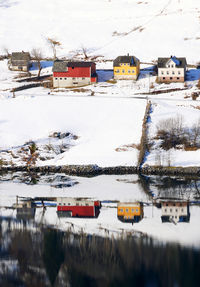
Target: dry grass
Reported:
[(191, 148), (112, 81), (128, 147)]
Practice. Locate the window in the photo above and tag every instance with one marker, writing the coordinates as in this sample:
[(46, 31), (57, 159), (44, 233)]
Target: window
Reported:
[(128, 217), (179, 72), (178, 78), (172, 65), (83, 78), (182, 209), (129, 71), (163, 78), (117, 71), (63, 203), (72, 67), (73, 78), (173, 73), (127, 210), (133, 71), (162, 73), (136, 210), (56, 78), (121, 210), (77, 204), (170, 210), (165, 209), (176, 210), (170, 78), (69, 203), (132, 210), (60, 78), (123, 71), (167, 72), (65, 79)]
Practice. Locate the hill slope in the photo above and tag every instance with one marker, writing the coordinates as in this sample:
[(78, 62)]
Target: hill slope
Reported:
[(148, 28)]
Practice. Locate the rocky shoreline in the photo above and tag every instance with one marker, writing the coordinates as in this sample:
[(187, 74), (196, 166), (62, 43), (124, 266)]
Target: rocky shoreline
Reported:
[(94, 170)]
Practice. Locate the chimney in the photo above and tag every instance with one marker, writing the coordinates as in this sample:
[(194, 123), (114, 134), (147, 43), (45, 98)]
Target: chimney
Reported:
[(128, 54)]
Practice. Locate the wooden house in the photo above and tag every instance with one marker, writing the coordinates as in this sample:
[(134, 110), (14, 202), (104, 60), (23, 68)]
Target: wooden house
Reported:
[(175, 211), (73, 74), (171, 69), (130, 211), (72, 207), (126, 68), (19, 61)]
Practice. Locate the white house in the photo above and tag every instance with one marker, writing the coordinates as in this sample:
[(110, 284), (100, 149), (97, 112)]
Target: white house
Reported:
[(171, 69)]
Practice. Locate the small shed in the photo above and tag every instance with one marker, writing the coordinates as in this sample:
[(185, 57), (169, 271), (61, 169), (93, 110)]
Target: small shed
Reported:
[(19, 61)]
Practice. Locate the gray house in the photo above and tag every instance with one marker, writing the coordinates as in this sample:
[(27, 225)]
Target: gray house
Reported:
[(19, 61), (171, 69)]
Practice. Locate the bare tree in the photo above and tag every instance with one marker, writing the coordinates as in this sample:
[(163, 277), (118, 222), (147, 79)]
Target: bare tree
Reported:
[(6, 52), (53, 44), (37, 56), (84, 51)]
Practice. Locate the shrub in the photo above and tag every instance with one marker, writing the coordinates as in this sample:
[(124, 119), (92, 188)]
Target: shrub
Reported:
[(173, 135), (198, 84), (194, 96)]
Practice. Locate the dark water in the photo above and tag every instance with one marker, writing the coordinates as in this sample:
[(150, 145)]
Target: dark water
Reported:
[(37, 255), (47, 257)]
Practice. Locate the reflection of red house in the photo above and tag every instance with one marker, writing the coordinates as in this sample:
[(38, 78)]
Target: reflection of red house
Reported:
[(69, 74), (72, 207)]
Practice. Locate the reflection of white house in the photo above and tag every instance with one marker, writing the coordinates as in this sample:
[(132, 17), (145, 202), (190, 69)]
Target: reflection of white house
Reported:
[(171, 69), (175, 211)]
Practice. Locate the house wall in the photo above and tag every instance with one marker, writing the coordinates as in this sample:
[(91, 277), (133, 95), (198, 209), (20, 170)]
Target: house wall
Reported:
[(19, 68), (66, 82), (126, 72)]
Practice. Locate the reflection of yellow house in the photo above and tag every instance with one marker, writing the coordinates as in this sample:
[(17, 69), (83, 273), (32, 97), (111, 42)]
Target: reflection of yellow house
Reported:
[(130, 211), (126, 68)]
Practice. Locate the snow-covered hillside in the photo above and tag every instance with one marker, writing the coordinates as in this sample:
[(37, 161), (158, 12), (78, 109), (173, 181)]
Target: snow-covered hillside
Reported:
[(146, 28)]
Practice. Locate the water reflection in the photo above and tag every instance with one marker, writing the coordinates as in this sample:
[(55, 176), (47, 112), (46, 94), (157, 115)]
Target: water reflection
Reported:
[(108, 205), (131, 212), (77, 207), (175, 211)]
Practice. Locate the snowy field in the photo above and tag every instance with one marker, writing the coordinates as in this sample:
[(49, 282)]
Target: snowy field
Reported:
[(105, 188), (102, 125)]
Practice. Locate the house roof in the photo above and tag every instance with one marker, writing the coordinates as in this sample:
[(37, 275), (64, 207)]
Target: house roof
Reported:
[(23, 56), (180, 62), (132, 60), (61, 66)]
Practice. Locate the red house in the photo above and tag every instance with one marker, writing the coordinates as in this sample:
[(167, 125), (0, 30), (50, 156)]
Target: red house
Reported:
[(72, 74), (71, 207)]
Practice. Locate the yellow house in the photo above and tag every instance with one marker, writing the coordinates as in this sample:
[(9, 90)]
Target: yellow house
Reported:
[(130, 211), (126, 68)]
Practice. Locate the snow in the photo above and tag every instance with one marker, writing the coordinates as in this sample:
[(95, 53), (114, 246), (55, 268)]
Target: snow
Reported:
[(101, 124)]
